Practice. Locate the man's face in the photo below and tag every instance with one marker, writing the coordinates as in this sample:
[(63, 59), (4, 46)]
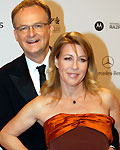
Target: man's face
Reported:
[(32, 41)]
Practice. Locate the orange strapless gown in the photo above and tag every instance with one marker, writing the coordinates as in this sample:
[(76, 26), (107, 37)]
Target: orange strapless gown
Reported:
[(79, 131)]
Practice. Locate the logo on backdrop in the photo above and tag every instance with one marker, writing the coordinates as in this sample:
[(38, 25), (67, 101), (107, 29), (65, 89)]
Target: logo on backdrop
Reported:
[(56, 24), (99, 26), (114, 25), (1, 25), (108, 62)]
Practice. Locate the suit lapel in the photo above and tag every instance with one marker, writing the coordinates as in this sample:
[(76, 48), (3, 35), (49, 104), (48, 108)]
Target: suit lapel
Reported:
[(22, 80)]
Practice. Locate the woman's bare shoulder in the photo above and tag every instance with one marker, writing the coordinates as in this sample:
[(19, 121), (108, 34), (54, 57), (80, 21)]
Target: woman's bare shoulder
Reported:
[(39, 105), (108, 96), (41, 100), (106, 93)]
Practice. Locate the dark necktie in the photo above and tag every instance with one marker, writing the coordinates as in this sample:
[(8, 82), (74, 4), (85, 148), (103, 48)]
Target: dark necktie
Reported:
[(41, 70)]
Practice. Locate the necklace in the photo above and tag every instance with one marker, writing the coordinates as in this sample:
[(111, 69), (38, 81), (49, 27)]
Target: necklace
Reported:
[(74, 101)]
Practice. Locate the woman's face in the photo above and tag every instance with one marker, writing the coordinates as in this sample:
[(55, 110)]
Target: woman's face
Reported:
[(72, 65)]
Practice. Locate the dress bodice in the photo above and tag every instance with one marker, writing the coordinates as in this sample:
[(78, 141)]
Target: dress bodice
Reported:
[(62, 123)]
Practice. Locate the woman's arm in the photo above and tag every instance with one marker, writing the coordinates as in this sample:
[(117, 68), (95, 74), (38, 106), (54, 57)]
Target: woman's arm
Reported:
[(20, 123)]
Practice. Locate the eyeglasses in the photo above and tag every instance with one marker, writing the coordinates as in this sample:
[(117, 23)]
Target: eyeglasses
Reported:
[(36, 27)]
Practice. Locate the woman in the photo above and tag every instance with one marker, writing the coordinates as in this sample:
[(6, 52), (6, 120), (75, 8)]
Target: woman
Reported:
[(75, 111)]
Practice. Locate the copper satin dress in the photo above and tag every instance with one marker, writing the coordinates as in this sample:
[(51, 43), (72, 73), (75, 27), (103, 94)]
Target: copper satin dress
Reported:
[(79, 131)]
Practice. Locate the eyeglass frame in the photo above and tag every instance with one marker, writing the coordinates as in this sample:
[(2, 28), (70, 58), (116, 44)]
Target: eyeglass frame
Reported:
[(20, 28)]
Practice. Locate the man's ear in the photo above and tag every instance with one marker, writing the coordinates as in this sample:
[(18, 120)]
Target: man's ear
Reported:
[(15, 34), (56, 62), (51, 29)]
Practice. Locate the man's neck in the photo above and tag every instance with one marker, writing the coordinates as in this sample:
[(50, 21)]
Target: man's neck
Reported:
[(38, 57)]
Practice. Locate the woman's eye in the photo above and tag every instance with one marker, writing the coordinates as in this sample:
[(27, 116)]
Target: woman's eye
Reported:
[(83, 59), (67, 58)]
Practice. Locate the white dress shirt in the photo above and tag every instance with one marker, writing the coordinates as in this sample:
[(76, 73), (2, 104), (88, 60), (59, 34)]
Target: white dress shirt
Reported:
[(34, 72)]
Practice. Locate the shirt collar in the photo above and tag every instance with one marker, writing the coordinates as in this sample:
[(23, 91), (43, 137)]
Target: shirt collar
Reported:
[(32, 65)]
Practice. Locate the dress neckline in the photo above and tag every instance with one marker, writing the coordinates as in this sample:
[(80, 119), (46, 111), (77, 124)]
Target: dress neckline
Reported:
[(75, 114)]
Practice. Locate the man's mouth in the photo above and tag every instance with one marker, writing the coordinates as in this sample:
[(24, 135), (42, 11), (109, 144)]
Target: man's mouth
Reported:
[(32, 41)]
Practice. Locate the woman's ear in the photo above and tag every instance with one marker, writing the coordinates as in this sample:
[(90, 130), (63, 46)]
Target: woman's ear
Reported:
[(56, 62)]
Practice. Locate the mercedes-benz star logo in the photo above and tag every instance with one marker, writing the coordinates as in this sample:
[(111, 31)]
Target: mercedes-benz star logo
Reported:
[(108, 61)]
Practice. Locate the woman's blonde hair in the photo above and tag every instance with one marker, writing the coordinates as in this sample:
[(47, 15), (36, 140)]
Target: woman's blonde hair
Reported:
[(90, 80)]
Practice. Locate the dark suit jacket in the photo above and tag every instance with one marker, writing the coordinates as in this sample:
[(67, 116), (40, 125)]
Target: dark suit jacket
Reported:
[(17, 89)]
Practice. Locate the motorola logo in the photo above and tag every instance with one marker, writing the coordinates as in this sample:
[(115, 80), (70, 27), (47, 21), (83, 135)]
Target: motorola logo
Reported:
[(1, 25), (108, 62), (99, 26)]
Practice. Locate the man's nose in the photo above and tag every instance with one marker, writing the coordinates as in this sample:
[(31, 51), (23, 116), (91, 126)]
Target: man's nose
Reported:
[(31, 31)]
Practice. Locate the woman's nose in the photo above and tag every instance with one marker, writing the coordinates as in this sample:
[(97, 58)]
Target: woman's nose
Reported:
[(75, 64)]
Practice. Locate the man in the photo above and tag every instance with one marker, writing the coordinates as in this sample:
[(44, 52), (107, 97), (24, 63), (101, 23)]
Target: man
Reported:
[(19, 79)]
